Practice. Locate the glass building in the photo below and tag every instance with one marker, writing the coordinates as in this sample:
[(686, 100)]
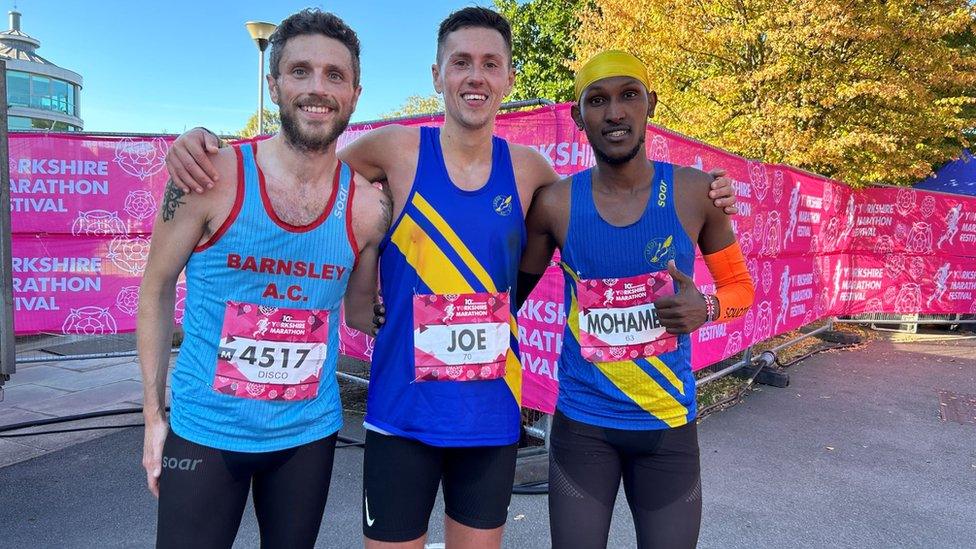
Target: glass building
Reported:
[(40, 94)]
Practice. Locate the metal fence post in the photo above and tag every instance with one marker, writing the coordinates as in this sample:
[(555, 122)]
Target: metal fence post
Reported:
[(8, 349), (548, 430)]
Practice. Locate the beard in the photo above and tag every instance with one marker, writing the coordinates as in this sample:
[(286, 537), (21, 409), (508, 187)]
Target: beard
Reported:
[(622, 159), (312, 142)]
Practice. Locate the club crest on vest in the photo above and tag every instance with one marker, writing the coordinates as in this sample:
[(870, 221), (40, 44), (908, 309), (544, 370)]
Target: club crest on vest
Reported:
[(502, 205), (658, 252)]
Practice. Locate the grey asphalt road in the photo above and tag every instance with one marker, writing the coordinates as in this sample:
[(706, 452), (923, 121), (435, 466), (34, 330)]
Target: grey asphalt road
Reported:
[(852, 454)]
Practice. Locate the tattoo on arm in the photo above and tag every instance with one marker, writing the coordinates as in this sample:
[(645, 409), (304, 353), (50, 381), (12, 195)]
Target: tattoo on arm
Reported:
[(171, 200)]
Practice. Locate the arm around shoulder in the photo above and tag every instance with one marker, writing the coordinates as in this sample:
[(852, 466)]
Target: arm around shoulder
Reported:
[(370, 219), (542, 225), (373, 154), (182, 222), (734, 291), (533, 172), (695, 209), (190, 160)]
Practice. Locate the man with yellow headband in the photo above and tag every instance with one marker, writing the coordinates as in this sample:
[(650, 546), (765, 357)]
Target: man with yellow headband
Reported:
[(627, 230)]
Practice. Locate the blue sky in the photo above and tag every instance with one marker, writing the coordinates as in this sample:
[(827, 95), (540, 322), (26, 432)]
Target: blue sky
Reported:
[(168, 66)]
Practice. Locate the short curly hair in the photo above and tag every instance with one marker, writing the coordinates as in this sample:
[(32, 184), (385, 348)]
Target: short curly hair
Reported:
[(314, 21)]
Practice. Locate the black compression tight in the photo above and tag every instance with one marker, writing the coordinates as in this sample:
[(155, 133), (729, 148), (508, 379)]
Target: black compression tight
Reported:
[(203, 491), (661, 476)]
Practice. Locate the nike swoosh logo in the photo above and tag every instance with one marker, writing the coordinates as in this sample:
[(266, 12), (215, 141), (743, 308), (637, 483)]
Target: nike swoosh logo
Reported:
[(369, 521)]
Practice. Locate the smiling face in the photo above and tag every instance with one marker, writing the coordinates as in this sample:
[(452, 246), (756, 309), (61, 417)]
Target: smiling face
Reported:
[(614, 112), (316, 91), (474, 73)]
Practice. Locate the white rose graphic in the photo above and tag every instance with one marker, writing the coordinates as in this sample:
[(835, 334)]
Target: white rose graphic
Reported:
[(128, 300), (748, 322), (98, 223), (659, 149), (778, 183), (909, 299), (140, 204), (758, 179), (129, 254), (733, 344), (89, 321), (141, 159), (905, 201), (928, 206), (890, 294)]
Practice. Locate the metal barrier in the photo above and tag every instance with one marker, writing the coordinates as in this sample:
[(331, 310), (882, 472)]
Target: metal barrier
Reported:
[(748, 359), (507, 106), (935, 322), (92, 356), (539, 425), (354, 379), (907, 323)]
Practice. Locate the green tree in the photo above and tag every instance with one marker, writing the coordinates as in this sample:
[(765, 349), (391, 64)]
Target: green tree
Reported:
[(272, 123), (542, 46), (865, 92), (417, 105)]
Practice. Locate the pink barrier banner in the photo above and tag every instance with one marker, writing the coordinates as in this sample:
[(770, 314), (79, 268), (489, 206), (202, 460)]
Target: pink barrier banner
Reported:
[(540, 329), (83, 208), (83, 285), (81, 185)]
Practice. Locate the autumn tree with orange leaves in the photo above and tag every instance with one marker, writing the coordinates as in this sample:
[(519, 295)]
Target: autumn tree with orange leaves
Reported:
[(865, 92)]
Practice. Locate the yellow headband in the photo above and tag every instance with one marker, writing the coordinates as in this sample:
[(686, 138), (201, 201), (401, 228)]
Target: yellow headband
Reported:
[(608, 64)]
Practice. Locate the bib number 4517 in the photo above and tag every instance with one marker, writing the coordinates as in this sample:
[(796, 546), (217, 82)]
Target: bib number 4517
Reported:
[(268, 356), (284, 362)]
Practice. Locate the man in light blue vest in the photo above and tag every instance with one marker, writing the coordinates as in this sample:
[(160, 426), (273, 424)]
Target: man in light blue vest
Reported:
[(268, 261)]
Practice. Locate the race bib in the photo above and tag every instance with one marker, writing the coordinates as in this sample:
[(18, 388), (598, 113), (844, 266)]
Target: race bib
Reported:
[(461, 337), (617, 319), (271, 353)]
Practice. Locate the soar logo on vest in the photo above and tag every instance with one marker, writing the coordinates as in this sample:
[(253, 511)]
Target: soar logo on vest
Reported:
[(662, 194), (502, 205), (658, 252), (342, 195)]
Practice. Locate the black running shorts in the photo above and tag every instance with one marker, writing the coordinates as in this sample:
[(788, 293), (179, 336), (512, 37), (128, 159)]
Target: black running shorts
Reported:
[(203, 490), (660, 472), (401, 476)]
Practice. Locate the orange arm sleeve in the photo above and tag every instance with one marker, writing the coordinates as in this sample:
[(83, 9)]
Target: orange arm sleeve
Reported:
[(734, 288)]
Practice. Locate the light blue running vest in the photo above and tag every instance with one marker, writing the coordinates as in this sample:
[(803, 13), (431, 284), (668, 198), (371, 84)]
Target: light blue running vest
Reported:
[(316, 258)]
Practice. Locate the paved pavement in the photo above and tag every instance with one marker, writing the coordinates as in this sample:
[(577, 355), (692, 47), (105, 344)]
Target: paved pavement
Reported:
[(852, 454), (55, 389)]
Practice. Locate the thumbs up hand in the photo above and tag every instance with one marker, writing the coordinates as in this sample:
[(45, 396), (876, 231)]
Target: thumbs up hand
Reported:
[(685, 311)]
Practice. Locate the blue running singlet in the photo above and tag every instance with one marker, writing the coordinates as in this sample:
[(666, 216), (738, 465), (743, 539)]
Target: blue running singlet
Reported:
[(264, 266), (447, 241), (657, 392)]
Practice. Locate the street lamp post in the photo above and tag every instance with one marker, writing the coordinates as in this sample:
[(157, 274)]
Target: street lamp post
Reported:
[(260, 32)]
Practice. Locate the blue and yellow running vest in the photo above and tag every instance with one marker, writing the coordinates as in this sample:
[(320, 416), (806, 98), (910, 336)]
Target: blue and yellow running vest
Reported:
[(312, 261), (645, 393), (447, 241)]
